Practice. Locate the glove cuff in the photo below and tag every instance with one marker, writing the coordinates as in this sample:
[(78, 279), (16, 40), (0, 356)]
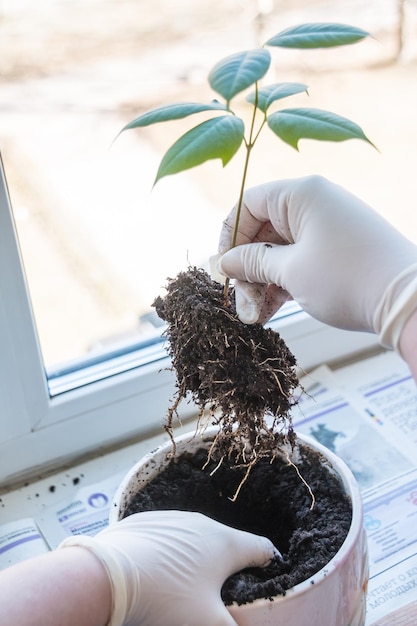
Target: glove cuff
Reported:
[(114, 571), (397, 305)]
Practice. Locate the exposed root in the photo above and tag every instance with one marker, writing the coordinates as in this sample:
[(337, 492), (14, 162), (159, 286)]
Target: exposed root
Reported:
[(244, 479), (312, 496), (216, 468), (239, 375)]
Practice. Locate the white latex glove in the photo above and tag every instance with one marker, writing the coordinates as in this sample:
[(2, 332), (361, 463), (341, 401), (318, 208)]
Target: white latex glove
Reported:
[(341, 261), (167, 567)]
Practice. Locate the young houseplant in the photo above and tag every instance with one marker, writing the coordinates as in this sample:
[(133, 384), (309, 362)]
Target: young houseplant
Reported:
[(242, 377)]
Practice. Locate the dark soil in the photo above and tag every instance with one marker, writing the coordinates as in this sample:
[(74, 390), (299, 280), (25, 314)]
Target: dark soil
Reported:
[(273, 502), (239, 374)]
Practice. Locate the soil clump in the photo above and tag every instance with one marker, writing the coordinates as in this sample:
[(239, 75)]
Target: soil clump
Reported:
[(238, 375)]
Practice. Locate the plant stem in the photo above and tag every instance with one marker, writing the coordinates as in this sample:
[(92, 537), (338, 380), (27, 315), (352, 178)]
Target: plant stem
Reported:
[(249, 145)]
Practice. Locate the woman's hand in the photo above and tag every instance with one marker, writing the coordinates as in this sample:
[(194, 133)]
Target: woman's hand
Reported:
[(310, 240), (167, 567)]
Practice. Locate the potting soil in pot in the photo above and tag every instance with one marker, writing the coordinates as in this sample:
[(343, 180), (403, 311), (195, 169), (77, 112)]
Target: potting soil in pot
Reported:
[(273, 502)]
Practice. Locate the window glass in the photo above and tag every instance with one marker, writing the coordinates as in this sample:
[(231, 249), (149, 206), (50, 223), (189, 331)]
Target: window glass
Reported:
[(97, 241)]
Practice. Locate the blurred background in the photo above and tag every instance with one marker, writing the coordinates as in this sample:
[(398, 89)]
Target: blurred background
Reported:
[(97, 241)]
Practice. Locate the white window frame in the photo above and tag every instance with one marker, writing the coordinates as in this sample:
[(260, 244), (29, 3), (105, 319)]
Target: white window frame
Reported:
[(86, 410)]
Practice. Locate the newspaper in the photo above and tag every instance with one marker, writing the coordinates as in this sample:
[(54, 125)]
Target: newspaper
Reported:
[(20, 540), (367, 414), (390, 516), (86, 513)]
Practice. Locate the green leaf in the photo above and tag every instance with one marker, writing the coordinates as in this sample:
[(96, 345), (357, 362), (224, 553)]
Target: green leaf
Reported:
[(239, 71), (218, 138), (291, 125), (317, 35), (271, 93), (172, 112)]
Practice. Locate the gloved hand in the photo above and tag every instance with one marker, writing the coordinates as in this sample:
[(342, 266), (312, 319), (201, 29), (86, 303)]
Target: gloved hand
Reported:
[(167, 567), (329, 251)]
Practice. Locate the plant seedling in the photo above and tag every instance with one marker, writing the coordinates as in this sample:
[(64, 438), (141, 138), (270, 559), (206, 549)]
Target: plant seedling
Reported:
[(221, 136), (239, 373)]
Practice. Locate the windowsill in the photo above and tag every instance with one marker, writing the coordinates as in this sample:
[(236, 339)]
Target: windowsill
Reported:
[(31, 498)]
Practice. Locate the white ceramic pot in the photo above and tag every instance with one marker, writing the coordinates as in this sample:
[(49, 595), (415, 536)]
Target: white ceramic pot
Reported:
[(334, 596)]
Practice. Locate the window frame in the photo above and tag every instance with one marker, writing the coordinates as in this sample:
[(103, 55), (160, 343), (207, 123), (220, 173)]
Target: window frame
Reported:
[(84, 410)]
